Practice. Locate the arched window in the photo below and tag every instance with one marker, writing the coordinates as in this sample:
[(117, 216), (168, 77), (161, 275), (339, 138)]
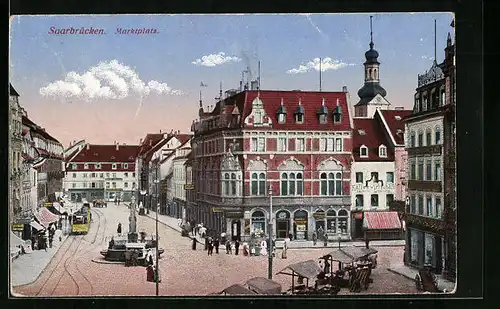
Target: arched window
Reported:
[(369, 73), (412, 139), (420, 139), (342, 221), (292, 183), (225, 184), (437, 134), (338, 184), (258, 184), (233, 184), (428, 137), (258, 223), (375, 73), (331, 221), (323, 184)]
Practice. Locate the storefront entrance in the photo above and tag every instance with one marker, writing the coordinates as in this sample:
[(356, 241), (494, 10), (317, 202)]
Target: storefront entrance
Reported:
[(282, 224), (300, 226)]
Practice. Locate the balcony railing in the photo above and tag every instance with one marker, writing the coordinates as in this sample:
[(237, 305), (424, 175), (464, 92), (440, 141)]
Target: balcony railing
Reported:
[(252, 201), (421, 185)]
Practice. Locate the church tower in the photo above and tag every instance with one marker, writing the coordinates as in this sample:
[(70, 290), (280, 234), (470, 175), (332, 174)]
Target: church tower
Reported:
[(372, 93)]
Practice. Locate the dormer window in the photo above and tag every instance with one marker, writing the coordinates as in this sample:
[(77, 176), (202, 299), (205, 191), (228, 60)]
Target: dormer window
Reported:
[(86, 166), (281, 113), (113, 166), (382, 151), (73, 166), (323, 113), (125, 165), (397, 117), (363, 151), (299, 113), (97, 166), (337, 113)]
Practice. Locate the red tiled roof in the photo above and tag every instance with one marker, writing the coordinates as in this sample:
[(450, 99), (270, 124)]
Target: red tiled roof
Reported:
[(42, 151), (382, 220), (183, 138), (149, 142), (311, 102), (395, 124), (107, 153), (27, 122), (374, 136), (68, 157)]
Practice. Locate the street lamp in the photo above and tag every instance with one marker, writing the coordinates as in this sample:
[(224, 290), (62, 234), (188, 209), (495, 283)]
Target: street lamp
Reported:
[(270, 229)]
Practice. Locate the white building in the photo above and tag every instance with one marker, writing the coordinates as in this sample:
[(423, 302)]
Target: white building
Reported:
[(101, 172), (179, 179)]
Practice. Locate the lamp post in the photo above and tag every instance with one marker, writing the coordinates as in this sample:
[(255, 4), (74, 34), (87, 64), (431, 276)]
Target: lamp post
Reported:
[(270, 232)]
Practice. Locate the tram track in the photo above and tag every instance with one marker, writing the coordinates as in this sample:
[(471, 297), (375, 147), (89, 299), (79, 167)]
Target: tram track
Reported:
[(74, 257)]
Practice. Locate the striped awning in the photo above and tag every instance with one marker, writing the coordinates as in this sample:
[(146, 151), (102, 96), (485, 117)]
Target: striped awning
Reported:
[(381, 220), (46, 217), (36, 226)]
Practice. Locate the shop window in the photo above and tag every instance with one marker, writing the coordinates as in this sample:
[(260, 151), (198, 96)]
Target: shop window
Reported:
[(342, 221), (331, 221), (258, 223), (430, 254)]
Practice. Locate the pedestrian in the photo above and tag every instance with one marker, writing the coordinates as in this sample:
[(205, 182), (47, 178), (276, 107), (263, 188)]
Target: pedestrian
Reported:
[(119, 229), (216, 245), (228, 247), (315, 238), (194, 243), (179, 221), (210, 246), (285, 248), (206, 244), (325, 239), (236, 247)]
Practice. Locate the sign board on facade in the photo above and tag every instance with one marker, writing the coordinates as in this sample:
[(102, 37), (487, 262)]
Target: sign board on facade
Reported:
[(372, 187), (189, 186), (47, 204), (234, 214), (319, 215), (217, 209), (17, 227)]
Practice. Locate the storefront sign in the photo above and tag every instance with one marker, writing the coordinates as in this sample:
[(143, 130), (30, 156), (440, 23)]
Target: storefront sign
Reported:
[(217, 209), (372, 187), (47, 204), (189, 186), (17, 227), (319, 215), (234, 214), (282, 215)]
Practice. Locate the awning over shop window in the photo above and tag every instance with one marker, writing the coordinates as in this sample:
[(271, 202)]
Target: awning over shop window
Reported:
[(15, 240), (36, 226), (45, 217), (381, 220)]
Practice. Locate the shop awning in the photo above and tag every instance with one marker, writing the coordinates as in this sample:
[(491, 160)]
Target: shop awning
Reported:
[(381, 220), (237, 289), (36, 226), (15, 240), (45, 217), (307, 269)]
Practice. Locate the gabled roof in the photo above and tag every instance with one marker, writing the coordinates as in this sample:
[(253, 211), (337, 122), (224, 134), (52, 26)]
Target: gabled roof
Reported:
[(107, 153), (370, 133), (311, 101), (149, 142), (183, 138), (394, 120)]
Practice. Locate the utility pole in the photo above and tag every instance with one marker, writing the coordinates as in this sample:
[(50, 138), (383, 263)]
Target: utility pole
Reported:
[(270, 232)]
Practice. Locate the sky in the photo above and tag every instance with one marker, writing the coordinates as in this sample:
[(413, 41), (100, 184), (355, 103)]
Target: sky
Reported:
[(119, 84)]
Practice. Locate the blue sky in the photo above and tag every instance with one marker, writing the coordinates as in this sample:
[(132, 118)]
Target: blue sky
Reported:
[(405, 43)]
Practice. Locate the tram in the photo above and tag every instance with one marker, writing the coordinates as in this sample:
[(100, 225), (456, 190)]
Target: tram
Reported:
[(80, 221)]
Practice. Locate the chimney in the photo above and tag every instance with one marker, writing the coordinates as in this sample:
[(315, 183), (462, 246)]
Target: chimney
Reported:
[(117, 146), (140, 141), (88, 146), (150, 142), (344, 88), (160, 131)]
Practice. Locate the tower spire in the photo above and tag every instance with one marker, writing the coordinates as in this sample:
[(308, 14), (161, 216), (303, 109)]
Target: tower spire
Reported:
[(435, 35), (371, 33), (220, 91), (320, 60), (201, 103)]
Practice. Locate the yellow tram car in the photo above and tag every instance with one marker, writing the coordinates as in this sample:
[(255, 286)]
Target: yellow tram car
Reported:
[(81, 220)]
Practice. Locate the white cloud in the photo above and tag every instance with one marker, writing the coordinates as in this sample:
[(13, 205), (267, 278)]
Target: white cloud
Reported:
[(215, 59), (326, 64), (107, 80)]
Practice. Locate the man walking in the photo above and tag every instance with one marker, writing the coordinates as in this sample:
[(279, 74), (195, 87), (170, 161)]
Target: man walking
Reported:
[(210, 246), (236, 247), (228, 247), (315, 238), (217, 244)]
